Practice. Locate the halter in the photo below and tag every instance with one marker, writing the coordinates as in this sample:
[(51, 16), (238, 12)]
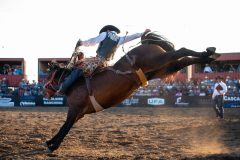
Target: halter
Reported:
[(50, 85)]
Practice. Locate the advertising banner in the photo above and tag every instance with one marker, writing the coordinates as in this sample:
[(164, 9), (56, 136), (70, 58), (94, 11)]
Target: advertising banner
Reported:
[(141, 101), (180, 102), (54, 101), (155, 101), (133, 101), (232, 101), (6, 102), (27, 101)]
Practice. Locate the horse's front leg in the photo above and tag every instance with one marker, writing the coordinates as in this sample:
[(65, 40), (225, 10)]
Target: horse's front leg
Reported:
[(55, 142)]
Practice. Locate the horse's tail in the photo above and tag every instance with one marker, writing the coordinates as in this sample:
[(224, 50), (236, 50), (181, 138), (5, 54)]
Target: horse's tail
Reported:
[(155, 38)]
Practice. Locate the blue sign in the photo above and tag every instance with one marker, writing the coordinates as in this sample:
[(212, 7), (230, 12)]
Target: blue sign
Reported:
[(232, 101)]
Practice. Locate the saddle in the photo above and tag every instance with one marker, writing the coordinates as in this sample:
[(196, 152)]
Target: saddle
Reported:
[(91, 65)]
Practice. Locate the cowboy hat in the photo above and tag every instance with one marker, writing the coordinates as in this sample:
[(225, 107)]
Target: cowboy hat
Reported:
[(109, 28)]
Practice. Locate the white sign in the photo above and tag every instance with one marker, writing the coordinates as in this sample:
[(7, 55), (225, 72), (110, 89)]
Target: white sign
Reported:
[(26, 103), (231, 98), (156, 101), (6, 102), (130, 101)]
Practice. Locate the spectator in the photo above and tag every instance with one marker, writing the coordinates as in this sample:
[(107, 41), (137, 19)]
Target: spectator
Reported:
[(17, 71), (207, 69), (34, 88), (238, 86), (238, 68), (179, 94), (4, 86), (22, 87), (231, 68), (220, 89), (11, 70), (6, 69)]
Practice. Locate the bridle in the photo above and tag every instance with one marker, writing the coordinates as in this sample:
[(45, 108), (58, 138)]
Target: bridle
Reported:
[(50, 86)]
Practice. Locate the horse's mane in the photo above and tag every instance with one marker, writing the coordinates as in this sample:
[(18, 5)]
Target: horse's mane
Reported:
[(156, 38)]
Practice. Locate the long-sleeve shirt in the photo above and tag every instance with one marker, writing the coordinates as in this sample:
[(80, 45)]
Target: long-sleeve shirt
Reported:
[(221, 92), (98, 39), (102, 36)]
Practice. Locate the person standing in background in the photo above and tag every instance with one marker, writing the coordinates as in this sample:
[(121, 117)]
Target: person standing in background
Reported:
[(207, 69), (220, 89)]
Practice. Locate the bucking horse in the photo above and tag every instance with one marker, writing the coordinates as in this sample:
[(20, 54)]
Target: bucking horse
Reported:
[(154, 57)]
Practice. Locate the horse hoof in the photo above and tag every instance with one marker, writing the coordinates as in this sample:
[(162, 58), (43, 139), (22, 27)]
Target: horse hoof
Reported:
[(49, 150), (211, 50), (45, 144)]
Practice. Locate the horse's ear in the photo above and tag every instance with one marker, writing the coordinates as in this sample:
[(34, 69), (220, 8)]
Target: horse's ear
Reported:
[(53, 66)]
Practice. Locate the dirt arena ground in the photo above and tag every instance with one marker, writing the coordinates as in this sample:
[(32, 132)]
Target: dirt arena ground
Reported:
[(122, 133)]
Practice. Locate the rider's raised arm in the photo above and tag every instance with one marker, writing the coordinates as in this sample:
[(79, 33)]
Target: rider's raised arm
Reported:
[(129, 38), (94, 41)]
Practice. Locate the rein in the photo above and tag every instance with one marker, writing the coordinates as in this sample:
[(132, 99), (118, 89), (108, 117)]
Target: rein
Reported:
[(50, 85), (60, 78)]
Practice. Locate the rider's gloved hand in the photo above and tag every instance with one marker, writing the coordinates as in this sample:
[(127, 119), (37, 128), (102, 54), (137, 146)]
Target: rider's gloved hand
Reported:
[(79, 43)]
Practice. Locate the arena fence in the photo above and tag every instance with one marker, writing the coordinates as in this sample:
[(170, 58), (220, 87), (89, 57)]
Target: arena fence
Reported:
[(230, 101)]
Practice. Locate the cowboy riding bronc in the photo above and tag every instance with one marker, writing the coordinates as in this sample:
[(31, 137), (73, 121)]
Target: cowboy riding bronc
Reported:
[(108, 41)]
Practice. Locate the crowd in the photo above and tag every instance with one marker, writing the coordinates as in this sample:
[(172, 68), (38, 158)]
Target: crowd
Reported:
[(4, 89), (30, 89), (192, 88), (221, 68), (156, 87), (25, 88), (7, 69)]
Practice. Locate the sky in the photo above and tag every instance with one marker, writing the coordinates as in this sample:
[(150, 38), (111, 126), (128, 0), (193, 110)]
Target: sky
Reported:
[(33, 29)]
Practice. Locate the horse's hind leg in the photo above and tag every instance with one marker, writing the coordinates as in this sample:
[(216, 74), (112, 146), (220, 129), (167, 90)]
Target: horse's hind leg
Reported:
[(55, 142), (187, 52), (186, 61)]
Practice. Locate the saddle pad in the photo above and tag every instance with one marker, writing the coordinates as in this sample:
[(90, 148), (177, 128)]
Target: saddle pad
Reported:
[(89, 65)]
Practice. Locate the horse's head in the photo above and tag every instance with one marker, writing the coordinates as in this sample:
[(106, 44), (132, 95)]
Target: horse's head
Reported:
[(57, 73)]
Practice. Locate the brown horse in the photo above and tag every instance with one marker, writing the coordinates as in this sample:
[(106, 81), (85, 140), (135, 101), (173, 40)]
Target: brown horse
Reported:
[(154, 58)]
